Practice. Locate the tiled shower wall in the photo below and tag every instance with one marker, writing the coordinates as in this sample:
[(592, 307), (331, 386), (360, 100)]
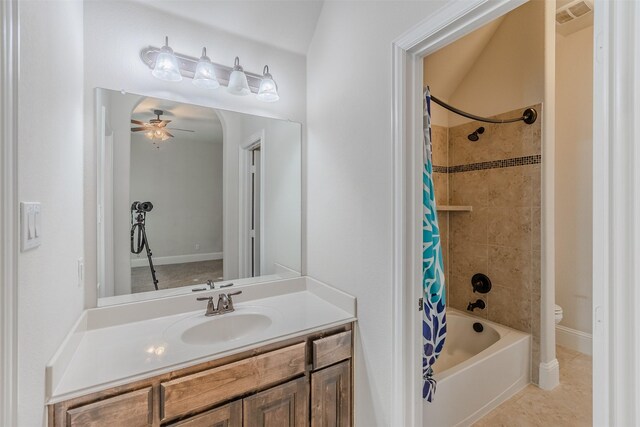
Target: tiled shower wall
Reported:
[(499, 176)]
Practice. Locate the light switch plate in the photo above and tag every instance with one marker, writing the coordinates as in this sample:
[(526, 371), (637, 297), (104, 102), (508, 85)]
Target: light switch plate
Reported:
[(30, 225)]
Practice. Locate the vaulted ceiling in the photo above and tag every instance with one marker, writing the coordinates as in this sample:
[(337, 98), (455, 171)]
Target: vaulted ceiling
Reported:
[(286, 24), (445, 69)]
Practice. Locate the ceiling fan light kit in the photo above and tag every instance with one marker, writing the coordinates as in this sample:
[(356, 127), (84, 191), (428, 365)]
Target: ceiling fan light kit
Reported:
[(168, 65), (155, 129)]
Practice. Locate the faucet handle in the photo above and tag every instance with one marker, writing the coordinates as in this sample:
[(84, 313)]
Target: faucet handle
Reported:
[(211, 309), (229, 300)]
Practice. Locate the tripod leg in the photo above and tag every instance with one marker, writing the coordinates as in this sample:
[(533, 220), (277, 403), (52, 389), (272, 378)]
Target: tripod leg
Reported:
[(149, 257)]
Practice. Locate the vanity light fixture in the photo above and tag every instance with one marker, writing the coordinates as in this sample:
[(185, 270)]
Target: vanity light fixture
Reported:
[(205, 75), (170, 66), (238, 84), (166, 67), (268, 90)]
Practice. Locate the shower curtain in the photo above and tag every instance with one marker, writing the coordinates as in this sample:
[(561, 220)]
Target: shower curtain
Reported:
[(434, 323)]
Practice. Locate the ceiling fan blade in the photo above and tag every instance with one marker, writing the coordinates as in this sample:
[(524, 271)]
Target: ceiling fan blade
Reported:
[(163, 123), (137, 129), (167, 133), (138, 122), (183, 130)]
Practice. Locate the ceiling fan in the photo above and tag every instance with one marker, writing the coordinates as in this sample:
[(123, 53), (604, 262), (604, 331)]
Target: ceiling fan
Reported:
[(156, 129)]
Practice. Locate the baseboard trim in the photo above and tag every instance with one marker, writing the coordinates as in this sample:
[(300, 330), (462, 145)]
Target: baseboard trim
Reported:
[(176, 259), (574, 339), (549, 375)]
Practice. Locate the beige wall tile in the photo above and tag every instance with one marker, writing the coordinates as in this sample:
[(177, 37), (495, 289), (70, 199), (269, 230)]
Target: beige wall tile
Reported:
[(440, 145), (536, 230), (510, 187), (536, 271), (509, 227), (506, 141), (469, 189), (510, 307), (510, 267), (468, 259), (536, 184), (443, 224), (461, 150), (440, 183), (469, 227)]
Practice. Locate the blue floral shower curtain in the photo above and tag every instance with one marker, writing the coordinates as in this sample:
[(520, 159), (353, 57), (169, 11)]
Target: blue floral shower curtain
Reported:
[(434, 322)]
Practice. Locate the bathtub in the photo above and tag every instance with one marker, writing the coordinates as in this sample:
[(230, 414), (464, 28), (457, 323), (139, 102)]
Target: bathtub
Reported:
[(476, 370)]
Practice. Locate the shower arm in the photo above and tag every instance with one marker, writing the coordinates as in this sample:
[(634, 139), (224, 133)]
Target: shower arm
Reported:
[(529, 116)]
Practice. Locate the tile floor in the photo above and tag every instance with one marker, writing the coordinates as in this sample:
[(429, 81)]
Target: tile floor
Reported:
[(568, 405), (175, 275)]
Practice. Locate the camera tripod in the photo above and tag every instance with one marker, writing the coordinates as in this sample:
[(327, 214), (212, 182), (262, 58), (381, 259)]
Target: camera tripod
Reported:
[(138, 243)]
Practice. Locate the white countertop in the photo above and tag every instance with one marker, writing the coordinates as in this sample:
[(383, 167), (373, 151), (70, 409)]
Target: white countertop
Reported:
[(116, 345)]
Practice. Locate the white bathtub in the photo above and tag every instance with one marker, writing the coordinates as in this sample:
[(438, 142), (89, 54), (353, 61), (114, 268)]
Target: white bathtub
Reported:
[(476, 370)]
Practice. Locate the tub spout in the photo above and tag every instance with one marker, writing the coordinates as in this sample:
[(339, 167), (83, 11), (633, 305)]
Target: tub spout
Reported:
[(478, 304)]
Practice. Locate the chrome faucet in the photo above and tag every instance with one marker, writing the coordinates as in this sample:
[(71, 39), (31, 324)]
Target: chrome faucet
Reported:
[(225, 304), (210, 284)]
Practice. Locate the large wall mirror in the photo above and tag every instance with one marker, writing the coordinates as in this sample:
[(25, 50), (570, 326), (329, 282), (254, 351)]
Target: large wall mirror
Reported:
[(191, 195)]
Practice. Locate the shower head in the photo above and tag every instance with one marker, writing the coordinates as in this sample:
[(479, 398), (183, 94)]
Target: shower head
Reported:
[(475, 135)]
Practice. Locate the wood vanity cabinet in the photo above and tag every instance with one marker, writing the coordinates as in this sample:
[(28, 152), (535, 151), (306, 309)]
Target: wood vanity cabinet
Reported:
[(300, 382)]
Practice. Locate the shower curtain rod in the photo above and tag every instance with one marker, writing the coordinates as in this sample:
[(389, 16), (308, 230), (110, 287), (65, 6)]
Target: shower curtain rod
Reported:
[(529, 115)]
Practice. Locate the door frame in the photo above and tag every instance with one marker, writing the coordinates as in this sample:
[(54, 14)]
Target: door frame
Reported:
[(257, 138), (616, 216), (449, 23), (9, 67)]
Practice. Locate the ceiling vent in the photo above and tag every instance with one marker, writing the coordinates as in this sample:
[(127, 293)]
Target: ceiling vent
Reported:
[(573, 15)]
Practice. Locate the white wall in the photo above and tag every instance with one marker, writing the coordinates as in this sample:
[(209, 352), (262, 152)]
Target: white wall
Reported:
[(114, 34), (183, 180), (281, 201), (349, 205), (574, 136), (49, 171)]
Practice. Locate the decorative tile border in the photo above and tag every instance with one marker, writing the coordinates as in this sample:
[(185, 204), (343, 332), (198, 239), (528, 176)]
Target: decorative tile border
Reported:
[(440, 169), (493, 164)]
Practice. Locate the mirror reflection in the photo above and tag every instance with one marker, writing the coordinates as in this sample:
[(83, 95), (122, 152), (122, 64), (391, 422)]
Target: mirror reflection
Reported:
[(189, 196)]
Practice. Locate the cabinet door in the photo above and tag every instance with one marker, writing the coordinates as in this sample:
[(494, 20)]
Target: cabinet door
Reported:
[(226, 416), (286, 405), (331, 396)]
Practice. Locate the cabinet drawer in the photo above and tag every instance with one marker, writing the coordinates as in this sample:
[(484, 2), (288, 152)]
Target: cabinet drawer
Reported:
[(331, 349), (207, 388), (131, 409), (226, 416)]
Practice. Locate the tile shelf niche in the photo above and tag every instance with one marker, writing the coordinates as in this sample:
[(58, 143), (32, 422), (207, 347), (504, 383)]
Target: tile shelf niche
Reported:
[(454, 208)]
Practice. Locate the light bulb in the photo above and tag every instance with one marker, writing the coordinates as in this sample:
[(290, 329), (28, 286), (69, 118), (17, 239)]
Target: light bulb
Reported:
[(205, 75), (167, 67), (238, 84), (268, 91)]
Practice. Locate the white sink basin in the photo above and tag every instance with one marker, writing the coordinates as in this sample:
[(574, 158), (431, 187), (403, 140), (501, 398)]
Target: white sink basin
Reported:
[(202, 330)]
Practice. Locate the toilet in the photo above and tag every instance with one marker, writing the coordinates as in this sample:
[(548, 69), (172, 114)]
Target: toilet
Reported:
[(558, 313)]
